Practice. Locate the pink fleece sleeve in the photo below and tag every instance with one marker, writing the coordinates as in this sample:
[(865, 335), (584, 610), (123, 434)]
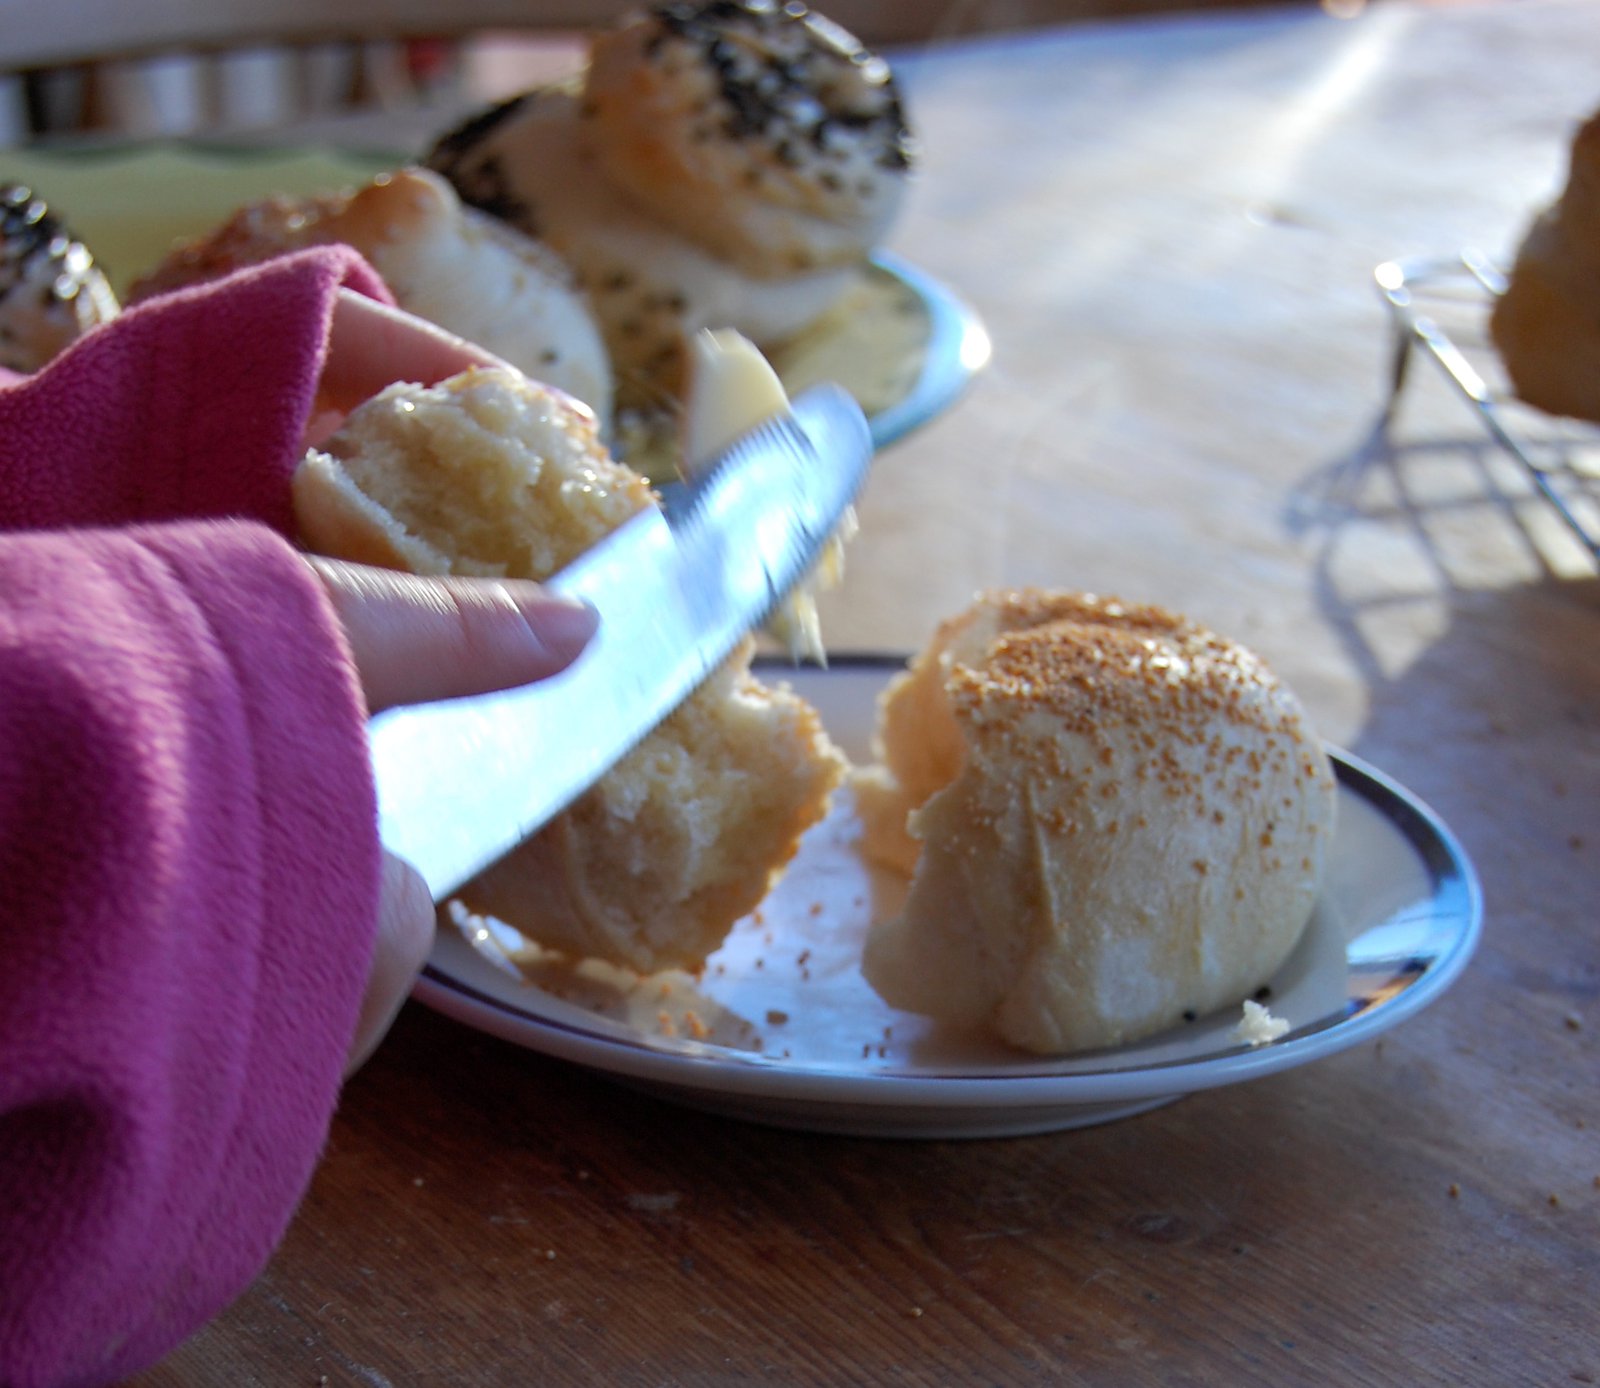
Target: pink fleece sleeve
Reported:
[(188, 405), (188, 852)]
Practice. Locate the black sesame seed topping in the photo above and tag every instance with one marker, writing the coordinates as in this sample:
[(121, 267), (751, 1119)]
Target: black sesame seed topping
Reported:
[(769, 85)]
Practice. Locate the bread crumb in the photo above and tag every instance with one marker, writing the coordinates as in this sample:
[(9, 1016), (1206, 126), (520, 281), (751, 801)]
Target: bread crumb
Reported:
[(416, 1180), (1573, 1021), (775, 1018), (1455, 1191), (550, 1255), (1554, 1201), (915, 1312), (1258, 1027)]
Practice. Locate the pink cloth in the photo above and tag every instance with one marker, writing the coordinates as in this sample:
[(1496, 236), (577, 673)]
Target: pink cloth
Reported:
[(189, 863)]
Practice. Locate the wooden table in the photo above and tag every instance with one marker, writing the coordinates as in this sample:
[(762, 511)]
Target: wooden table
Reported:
[(1170, 229)]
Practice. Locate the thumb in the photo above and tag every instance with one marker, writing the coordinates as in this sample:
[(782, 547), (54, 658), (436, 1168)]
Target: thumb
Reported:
[(415, 639)]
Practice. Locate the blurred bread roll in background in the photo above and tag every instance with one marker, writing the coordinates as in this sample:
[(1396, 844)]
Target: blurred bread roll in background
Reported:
[(763, 131), (716, 165), (1113, 818), (1546, 325), (455, 266), (51, 290)]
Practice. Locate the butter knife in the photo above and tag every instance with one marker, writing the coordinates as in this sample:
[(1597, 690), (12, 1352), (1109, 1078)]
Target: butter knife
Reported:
[(463, 781)]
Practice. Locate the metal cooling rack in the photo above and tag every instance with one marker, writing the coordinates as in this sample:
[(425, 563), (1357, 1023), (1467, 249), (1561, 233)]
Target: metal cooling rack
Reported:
[(1441, 307)]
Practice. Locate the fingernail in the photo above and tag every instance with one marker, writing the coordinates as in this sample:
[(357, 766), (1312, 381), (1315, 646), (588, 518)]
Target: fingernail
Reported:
[(563, 627)]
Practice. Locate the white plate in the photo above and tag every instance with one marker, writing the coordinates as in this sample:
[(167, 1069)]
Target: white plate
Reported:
[(1398, 919)]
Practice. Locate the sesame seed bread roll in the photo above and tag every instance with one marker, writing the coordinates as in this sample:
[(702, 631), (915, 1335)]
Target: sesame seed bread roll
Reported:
[(1546, 325), (651, 289), (448, 263), (51, 291), (1115, 817), (490, 474), (760, 130)]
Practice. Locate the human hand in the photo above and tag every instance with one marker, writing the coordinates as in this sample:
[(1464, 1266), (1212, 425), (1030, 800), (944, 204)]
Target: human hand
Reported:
[(416, 639), (372, 345)]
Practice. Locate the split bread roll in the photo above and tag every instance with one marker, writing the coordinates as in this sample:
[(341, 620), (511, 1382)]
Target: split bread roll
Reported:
[(1546, 326), (490, 474), (1113, 818), (455, 266)]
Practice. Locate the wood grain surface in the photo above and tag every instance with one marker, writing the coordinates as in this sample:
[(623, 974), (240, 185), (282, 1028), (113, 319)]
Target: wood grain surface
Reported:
[(1169, 227)]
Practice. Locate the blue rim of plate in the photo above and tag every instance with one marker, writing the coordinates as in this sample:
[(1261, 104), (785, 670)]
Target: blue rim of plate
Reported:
[(958, 347), (1455, 897)]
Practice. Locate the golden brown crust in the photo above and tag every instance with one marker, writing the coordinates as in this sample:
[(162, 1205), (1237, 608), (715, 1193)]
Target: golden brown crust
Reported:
[(764, 132), (443, 261), (650, 287), (1546, 325)]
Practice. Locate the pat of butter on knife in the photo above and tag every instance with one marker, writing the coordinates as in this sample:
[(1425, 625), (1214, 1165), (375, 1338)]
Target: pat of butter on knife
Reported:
[(732, 389)]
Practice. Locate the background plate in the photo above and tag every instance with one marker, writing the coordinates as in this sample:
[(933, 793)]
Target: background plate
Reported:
[(782, 1029), (901, 343)]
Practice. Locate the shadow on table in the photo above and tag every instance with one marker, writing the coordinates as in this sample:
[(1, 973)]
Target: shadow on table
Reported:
[(1468, 608)]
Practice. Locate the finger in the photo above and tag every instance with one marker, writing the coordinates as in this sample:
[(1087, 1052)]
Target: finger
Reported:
[(405, 935), (372, 345), (416, 639)]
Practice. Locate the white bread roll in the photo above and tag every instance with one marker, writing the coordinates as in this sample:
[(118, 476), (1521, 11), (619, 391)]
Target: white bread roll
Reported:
[(480, 279), (1115, 818), (489, 474), (445, 262), (759, 130), (1546, 325), (530, 162), (51, 291)]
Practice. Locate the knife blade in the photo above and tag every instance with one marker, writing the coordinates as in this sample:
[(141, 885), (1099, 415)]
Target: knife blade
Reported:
[(462, 781)]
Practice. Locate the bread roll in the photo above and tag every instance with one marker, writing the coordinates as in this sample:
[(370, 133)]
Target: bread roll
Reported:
[(489, 474), (531, 163), (453, 265), (1114, 818), (1546, 325), (51, 291), (761, 131)]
